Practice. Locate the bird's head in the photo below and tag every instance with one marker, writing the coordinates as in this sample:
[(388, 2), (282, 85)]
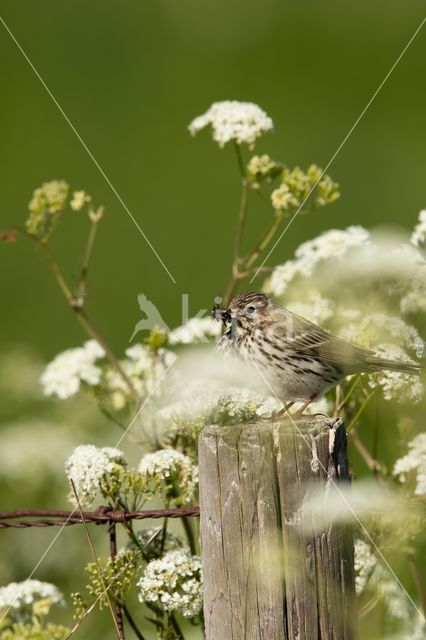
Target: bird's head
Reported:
[(244, 312)]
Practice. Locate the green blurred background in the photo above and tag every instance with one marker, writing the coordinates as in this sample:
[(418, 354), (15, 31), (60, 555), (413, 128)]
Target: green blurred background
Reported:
[(130, 76)]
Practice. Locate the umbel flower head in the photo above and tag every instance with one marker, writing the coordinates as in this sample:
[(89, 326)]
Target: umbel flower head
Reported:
[(29, 598), (297, 185), (169, 470), (63, 376), (173, 583), (88, 466), (47, 203), (243, 122)]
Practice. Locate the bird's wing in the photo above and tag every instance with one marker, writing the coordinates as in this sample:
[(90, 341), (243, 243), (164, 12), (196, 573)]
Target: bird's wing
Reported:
[(305, 337)]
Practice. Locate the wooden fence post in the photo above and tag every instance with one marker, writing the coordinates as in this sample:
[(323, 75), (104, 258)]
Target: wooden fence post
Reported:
[(268, 573)]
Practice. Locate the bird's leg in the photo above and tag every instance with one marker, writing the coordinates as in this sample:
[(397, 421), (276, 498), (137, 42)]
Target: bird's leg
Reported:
[(285, 409), (304, 406)]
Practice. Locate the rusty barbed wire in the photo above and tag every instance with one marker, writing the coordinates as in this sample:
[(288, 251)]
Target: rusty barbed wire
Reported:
[(102, 515)]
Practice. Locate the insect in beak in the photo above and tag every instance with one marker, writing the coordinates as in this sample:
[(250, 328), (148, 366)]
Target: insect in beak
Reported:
[(222, 315)]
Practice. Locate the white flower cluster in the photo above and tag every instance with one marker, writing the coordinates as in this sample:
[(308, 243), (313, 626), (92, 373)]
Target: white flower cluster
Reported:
[(19, 597), (418, 237), (243, 122), (170, 465), (145, 370), (87, 466), (194, 331), (63, 376), (414, 300), (330, 245), (173, 582), (414, 460)]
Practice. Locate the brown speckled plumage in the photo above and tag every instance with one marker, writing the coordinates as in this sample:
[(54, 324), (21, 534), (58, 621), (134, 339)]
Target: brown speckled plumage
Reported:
[(299, 360)]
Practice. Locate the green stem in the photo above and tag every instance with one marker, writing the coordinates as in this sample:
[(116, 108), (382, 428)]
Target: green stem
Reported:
[(372, 463), (345, 400), (82, 289), (242, 216), (78, 307), (240, 161), (176, 627), (189, 534), (264, 241), (113, 419), (87, 324), (132, 623), (360, 411)]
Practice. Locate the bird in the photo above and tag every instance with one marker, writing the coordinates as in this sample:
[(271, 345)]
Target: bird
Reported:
[(298, 360)]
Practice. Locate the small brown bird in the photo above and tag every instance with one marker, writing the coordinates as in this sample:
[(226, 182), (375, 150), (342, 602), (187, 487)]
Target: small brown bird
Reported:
[(298, 360)]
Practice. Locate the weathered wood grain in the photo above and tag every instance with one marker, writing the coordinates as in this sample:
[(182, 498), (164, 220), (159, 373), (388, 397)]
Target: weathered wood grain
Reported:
[(268, 573)]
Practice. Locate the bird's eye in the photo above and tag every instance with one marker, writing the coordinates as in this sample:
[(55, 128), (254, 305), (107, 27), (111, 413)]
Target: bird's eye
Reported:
[(250, 310)]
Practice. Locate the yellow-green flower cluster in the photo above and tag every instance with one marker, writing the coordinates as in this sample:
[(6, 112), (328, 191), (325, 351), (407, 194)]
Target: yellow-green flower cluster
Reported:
[(262, 168), (79, 199), (118, 575), (296, 186), (35, 631), (47, 203)]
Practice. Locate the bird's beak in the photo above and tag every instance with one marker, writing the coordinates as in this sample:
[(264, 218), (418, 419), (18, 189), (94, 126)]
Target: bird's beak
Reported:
[(222, 315)]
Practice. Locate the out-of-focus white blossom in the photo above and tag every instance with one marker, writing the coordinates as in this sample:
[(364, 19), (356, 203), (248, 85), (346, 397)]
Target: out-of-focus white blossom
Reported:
[(375, 328), (417, 628), (174, 582), (78, 200), (414, 299), (63, 376), (171, 466), (330, 245), (418, 237), (23, 460), (372, 576), (371, 331), (87, 466), (20, 598), (364, 563), (144, 368), (315, 308), (207, 402), (414, 460), (194, 331), (243, 122), (402, 387)]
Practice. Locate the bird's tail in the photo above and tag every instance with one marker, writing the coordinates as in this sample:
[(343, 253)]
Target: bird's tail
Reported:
[(377, 363)]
